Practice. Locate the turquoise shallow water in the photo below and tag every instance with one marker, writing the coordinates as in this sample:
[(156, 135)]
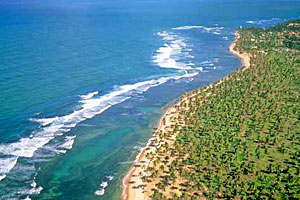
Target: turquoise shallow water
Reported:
[(83, 83)]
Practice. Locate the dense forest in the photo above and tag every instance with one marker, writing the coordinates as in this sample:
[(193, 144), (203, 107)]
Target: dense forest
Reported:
[(240, 138)]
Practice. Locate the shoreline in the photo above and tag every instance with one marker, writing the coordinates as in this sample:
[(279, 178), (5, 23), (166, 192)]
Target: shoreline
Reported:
[(244, 57), (136, 170), (126, 194)]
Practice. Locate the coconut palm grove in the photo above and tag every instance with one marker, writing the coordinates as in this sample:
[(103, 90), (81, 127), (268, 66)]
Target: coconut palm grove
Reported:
[(238, 138)]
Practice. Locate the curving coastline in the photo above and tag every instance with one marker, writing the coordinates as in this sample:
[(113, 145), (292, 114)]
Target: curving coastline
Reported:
[(244, 57), (135, 170), (133, 185)]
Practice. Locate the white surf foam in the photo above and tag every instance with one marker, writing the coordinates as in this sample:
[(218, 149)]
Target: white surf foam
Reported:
[(265, 21), (214, 30), (2, 177), (171, 54), (32, 191), (88, 96), (109, 178), (176, 54), (250, 22), (69, 141), (103, 185), (44, 122), (187, 27), (210, 62), (166, 36), (100, 192), (57, 126), (168, 56), (200, 68), (6, 164)]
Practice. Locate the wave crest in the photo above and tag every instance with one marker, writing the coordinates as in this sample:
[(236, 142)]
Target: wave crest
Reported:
[(59, 125), (214, 30)]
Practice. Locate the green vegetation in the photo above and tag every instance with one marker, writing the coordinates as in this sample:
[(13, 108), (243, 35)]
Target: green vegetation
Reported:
[(241, 138)]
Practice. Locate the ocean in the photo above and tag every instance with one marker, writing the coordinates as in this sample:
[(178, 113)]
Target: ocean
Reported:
[(83, 83)]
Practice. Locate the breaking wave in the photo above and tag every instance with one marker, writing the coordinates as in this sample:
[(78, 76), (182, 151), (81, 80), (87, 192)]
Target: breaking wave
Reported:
[(265, 22), (59, 125), (214, 30), (174, 54), (103, 185), (90, 95)]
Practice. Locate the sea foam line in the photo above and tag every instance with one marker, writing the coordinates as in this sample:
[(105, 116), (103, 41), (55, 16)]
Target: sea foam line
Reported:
[(90, 95), (169, 56), (69, 141), (214, 30), (265, 22), (172, 53), (59, 125)]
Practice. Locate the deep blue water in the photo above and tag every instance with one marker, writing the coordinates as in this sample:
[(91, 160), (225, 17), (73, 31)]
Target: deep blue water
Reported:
[(83, 82)]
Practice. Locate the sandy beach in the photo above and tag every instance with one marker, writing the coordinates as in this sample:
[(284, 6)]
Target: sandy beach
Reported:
[(244, 57), (133, 186), (134, 175)]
